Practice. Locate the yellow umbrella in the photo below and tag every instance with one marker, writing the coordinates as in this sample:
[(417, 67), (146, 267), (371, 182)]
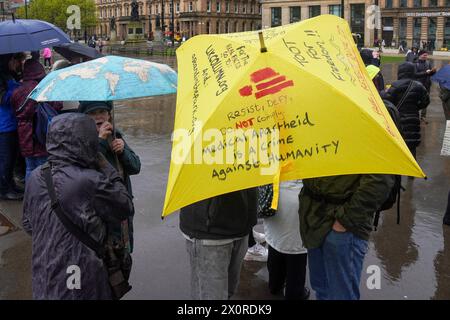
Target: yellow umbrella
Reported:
[(285, 103)]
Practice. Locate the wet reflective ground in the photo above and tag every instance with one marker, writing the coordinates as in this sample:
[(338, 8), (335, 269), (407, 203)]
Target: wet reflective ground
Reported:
[(414, 257)]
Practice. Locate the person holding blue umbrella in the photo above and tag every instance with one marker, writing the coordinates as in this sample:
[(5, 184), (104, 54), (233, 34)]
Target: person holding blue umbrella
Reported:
[(10, 73), (443, 78)]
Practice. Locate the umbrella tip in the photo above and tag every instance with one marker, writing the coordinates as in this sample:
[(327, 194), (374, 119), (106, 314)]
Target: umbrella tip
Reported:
[(261, 41)]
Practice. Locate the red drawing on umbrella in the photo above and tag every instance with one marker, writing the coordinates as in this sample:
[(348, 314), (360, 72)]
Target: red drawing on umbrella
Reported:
[(267, 82)]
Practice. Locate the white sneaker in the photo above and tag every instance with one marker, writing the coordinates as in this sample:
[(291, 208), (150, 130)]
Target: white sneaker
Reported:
[(259, 237), (256, 253)]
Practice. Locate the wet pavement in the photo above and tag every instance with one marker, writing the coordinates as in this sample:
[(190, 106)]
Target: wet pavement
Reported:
[(414, 257)]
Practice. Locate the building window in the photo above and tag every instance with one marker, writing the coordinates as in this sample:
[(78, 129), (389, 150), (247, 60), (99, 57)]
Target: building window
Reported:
[(236, 7), (417, 25), (402, 27), (252, 9), (217, 27), (314, 11), (191, 6), (403, 3), (388, 4), (432, 32), (260, 9), (447, 32), (208, 6), (417, 3), (227, 27), (227, 7), (243, 26), (170, 8), (357, 16), (244, 8), (294, 14), (217, 6), (177, 7), (335, 10), (276, 17), (433, 3)]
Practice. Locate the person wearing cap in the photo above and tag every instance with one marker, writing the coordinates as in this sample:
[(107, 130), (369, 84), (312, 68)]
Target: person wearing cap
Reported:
[(35, 153), (113, 146), (411, 55), (424, 71)]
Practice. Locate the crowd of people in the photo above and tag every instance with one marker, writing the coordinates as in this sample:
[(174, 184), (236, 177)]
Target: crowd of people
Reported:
[(78, 204)]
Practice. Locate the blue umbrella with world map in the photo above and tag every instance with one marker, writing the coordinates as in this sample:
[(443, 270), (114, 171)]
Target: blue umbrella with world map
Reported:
[(108, 78)]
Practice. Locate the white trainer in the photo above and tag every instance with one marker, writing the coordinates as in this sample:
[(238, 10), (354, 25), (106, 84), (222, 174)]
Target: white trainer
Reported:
[(256, 253)]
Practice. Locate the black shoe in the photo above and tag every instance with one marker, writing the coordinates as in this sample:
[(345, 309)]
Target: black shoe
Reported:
[(306, 294), (447, 220), (11, 195)]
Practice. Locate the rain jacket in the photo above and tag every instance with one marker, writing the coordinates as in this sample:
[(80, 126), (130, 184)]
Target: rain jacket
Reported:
[(350, 199), (421, 73), (417, 98), (8, 122), (33, 72), (227, 216), (90, 196)]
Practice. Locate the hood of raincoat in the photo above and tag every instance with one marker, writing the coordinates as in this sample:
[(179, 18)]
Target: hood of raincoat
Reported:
[(72, 138), (406, 70), (367, 56), (33, 70)]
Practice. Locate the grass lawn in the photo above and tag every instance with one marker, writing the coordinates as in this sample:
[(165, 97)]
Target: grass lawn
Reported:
[(387, 59)]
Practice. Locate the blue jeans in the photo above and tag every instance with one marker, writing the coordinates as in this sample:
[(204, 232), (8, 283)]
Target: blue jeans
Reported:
[(32, 163), (9, 145), (335, 267)]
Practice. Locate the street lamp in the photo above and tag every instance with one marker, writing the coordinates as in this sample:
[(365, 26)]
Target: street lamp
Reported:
[(172, 25), (163, 27), (26, 9)]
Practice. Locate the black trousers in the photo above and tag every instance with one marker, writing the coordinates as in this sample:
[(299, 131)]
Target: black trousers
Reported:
[(447, 212), (287, 268)]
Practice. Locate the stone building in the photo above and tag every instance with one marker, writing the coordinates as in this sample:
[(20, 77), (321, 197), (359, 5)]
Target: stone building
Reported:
[(190, 17), (415, 22), (279, 12)]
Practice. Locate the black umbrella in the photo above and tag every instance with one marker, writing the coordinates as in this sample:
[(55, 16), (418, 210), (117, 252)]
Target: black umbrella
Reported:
[(77, 50)]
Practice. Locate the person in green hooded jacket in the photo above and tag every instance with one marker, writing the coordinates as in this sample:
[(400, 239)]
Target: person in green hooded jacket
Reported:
[(118, 154), (336, 218)]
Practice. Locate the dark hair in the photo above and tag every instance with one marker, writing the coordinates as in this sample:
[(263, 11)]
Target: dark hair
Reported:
[(19, 56)]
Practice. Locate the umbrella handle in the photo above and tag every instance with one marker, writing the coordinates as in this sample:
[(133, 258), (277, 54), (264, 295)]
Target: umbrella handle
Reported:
[(261, 42), (22, 106)]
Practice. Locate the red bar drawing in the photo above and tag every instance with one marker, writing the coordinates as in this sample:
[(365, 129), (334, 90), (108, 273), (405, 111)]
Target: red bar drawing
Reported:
[(274, 89)]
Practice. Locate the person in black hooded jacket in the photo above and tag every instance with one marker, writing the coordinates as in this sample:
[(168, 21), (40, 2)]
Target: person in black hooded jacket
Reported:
[(409, 96), (369, 57)]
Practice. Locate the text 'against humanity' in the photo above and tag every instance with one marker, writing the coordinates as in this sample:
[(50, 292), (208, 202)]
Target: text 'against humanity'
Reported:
[(315, 150)]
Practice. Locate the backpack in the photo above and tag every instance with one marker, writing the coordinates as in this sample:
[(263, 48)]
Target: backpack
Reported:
[(394, 194), (43, 115)]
